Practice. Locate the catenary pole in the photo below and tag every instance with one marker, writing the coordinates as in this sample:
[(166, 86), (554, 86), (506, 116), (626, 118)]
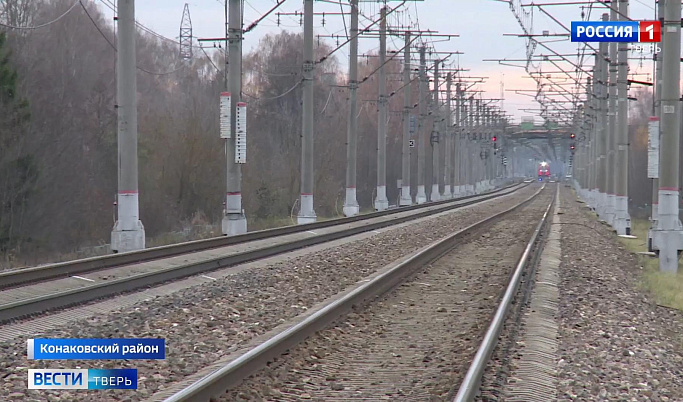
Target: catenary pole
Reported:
[(351, 204), (457, 144), (610, 151), (436, 138), (421, 197), (668, 236), (306, 211), (128, 233), (654, 216), (234, 220), (381, 201), (449, 185), (622, 219), (602, 128), (406, 197)]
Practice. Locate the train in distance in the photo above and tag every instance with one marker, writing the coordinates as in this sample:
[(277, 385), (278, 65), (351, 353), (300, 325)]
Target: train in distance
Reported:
[(543, 171)]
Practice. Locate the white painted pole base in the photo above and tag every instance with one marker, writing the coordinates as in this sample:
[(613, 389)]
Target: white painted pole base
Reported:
[(234, 221), (128, 233), (594, 199), (609, 209), (653, 226), (668, 238), (435, 196), (457, 191), (447, 194), (351, 207), (421, 197), (234, 224), (381, 201), (470, 189), (622, 220), (406, 199), (306, 213), (599, 204), (127, 240)]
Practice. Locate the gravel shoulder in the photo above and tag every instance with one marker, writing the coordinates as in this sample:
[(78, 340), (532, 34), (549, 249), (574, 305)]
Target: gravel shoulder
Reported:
[(203, 323), (615, 342)]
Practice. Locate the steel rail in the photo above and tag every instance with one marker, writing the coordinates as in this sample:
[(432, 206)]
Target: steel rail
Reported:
[(11, 278), (216, 383), (469, 388), (62, 299)]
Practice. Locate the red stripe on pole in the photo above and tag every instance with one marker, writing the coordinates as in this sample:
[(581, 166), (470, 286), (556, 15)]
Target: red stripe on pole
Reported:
[(225, 93), (241, 104), (669, 188), (654, 118), (128, 192), (306, 193), (233, 193)]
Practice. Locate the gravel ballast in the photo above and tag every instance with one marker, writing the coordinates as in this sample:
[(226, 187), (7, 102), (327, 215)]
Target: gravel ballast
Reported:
[(615, 342), (414, 343), (203, 323)]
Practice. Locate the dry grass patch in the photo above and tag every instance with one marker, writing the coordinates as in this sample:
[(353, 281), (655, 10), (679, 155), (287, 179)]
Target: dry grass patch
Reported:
[(667, 288)]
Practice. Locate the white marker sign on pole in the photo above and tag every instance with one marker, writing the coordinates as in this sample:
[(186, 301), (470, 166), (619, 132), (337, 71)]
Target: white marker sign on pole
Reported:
[(241, 134), (653, 148), (225, 115)]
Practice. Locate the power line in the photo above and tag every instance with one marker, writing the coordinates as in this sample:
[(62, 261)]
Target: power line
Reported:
[(109, 4), (95, 24), (114, 47), (360, 32), (47, 23), (210, 60), (278, 96)]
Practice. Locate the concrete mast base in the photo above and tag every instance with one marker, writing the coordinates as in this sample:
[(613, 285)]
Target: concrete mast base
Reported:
[(381, 201), (668, 238), (653, 226), (447, 194), (127, 240), (435, 196), (234, 224), (351, 207), (609, 209), (421, 197), (406, 199), (622, 219), (306, 213)]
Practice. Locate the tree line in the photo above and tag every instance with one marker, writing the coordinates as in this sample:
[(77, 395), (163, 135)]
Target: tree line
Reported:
[(58, 124)]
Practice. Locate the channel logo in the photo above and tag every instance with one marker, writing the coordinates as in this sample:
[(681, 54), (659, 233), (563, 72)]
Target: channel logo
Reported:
[(82, 379), (616, 31)]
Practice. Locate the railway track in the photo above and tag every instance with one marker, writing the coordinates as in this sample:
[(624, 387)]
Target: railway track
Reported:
[(36, 290), (359, 345)]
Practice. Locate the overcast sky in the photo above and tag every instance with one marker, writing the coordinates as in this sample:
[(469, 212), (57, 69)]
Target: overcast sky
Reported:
[(481, 25)]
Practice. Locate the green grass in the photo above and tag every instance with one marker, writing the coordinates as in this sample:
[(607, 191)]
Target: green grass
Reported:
[(667, 288)]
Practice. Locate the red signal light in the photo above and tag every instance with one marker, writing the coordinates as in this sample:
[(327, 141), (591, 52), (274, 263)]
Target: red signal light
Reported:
[(572, 135), (494, 138)]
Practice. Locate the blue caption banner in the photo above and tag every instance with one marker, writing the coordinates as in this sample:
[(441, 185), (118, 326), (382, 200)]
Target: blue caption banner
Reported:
[(89, 349), (83, 379), (605, 31)]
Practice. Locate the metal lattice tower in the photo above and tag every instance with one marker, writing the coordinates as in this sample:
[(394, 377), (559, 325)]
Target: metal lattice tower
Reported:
[(186, 35)]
